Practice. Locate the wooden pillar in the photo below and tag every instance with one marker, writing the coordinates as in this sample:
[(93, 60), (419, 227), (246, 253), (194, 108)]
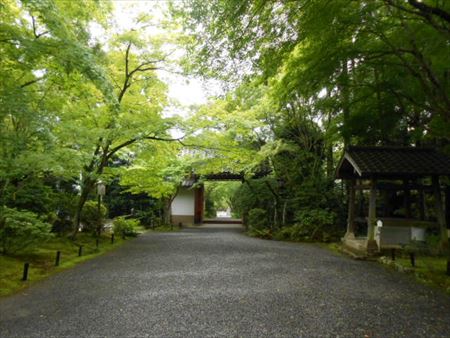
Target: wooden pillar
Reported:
[(198, 204), (447, 206), (372, 218), (350, 234), (407, 199), (439, 211), (421, 202)]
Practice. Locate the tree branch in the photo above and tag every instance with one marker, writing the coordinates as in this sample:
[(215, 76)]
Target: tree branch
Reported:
[(426, 9), (28, 83), (136, 139), (35, 33)]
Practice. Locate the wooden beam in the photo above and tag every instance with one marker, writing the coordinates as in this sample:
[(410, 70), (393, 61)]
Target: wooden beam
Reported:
[(395, 187)]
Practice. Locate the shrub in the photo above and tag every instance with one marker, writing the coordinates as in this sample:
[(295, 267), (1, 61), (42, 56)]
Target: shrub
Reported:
[(91, 218), (125, 227), (257, 219), (311, 225), (147, 218), (21, 230), (261, 233)]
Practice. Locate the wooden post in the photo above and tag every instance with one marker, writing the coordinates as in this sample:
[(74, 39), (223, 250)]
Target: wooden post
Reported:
[(58, 257), (351, 211), (372, 218), (25, 271), (439, 211)]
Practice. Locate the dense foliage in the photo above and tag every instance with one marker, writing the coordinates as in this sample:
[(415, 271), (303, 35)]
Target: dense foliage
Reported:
[(21, 230), (82, 101), (73, 103)]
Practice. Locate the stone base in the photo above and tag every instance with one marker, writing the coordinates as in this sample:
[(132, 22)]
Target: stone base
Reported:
[(360, 246), (372, 247), (349, 236)]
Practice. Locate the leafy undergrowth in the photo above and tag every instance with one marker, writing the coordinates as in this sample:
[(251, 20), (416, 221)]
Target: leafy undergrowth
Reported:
[(166, 228), (428, 270), (42, 260)]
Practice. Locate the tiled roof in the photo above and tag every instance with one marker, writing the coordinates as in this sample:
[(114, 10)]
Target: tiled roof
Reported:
[(392, 162), (224, 176)]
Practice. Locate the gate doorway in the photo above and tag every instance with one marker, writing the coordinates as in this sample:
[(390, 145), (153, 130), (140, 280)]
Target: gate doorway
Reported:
[(218, 200), (196, 205)]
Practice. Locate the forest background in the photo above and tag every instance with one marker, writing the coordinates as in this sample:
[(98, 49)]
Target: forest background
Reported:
[(301, 81)]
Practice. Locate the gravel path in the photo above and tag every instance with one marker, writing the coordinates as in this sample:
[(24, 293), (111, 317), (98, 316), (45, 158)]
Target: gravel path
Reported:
[(218, 282)]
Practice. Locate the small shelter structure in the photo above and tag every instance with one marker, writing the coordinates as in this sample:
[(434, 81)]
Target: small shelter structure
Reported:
[(393, 172)]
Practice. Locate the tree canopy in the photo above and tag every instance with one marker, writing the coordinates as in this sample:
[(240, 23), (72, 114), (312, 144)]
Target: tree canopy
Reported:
[(82, 100)]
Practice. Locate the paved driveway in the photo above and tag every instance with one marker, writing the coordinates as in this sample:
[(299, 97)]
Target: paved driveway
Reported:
[(215, 282)]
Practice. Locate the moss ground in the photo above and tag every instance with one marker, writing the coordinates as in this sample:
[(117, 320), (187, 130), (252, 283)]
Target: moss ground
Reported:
[(42, 260)]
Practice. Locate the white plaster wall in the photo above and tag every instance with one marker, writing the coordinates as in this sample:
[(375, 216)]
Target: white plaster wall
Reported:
[(183, 204)]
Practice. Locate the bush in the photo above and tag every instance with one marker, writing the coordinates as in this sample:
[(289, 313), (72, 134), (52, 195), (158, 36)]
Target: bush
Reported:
[(311, 225), (261, 233), (91, 218), (21, 230), (125, 227), (257, 219), (147, 218)]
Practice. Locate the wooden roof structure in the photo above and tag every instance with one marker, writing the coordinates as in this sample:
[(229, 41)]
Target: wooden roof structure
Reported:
[(224, 176), (392, 163)]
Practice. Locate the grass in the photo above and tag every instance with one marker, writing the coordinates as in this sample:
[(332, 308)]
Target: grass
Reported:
[(42, 260), (428, 270)]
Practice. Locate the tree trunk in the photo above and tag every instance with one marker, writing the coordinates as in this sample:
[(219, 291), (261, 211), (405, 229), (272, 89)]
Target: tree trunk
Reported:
[(329, 156), (86, 188), (345, 99), (283, 219)]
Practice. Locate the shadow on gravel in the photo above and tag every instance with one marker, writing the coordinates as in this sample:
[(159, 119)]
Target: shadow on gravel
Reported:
[(213, 228)]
